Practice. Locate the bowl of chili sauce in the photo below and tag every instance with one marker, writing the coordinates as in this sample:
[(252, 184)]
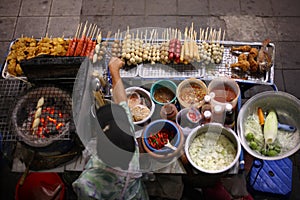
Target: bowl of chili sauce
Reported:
[(156, 134)]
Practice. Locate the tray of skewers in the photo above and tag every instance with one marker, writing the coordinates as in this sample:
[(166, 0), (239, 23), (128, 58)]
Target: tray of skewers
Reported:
[(149, 52), (170, 53)]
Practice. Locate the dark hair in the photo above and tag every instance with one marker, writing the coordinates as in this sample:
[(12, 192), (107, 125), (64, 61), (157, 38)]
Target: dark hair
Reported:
[(116, 146)]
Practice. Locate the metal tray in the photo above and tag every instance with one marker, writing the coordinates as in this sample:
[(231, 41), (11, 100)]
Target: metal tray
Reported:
[(209, 72), (181, 71), (224, 69), (4, 72)]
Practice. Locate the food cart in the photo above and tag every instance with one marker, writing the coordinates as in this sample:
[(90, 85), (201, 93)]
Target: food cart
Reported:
[(72, 79)]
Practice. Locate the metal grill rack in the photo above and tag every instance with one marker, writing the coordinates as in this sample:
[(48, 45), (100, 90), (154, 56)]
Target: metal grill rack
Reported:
[(10, 90), (224, 69)]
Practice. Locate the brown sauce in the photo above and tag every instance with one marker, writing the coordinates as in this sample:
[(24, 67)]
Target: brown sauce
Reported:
[(163, 95), (224, 94), (192, 93)]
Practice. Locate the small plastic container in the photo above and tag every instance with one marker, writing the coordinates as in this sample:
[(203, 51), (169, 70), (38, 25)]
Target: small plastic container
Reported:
[(226, 90), (169, 111), (183, 121)]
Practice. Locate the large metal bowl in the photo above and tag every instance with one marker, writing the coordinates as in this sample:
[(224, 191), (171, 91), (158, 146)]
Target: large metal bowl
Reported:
[(213, 128), (287, 108)]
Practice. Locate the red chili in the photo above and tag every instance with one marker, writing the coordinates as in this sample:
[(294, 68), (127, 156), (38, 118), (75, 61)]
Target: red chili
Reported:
[(159, 139)]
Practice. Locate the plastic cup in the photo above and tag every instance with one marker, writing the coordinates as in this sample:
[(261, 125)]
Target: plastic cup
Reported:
[(185, 124)]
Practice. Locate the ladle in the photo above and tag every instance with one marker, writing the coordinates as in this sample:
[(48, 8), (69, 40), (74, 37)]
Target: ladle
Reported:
[(169, 145)]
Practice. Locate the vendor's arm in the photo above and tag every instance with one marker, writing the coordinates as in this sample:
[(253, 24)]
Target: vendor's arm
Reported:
[(118, 92)]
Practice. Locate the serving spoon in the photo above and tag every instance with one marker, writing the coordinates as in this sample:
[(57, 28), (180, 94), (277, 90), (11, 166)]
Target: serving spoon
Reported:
[(169, 145), (286, 127)]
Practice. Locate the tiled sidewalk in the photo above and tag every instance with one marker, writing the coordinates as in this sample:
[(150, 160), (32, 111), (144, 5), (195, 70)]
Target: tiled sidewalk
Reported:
[(243, 20)]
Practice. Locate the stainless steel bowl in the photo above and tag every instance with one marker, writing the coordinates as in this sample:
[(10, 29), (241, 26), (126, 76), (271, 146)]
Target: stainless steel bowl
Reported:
[(287, 108), (213, 128)]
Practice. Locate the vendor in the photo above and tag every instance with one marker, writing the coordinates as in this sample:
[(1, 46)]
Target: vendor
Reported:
[(114, 172)]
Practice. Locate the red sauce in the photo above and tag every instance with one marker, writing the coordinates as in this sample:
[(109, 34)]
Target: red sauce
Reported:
[(224, 94)]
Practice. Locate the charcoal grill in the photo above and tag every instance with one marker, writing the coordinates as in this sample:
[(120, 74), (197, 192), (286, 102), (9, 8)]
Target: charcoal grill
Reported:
[(55, 117)]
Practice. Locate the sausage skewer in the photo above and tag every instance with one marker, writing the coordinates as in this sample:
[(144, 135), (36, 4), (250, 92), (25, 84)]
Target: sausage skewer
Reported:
[(94, 42), (73, 42), (87, 38), (80, 44), (90, 42)]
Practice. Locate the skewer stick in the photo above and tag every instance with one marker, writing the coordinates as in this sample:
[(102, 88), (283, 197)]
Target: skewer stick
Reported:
[(89, 30), (118, 33), (151, 35), (79, 30), (219, 36), (21, 79), (99, 98), (206, 34)]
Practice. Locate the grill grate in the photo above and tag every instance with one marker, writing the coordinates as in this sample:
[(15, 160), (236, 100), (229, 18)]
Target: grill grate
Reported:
[(9, 91)]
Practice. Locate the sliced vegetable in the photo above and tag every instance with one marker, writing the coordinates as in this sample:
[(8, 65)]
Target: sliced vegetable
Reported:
[(270, 128)]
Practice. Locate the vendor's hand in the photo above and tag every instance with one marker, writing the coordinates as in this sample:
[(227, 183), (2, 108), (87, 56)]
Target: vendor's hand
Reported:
[(115, 64)]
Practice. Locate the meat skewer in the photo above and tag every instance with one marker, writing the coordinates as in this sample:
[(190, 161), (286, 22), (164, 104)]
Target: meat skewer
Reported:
[(94, 42), (90, 43), (73, 42), (80, 44), (87, 38)]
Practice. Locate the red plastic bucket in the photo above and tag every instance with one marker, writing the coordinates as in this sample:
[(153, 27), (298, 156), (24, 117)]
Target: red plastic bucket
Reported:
[(40, 185)]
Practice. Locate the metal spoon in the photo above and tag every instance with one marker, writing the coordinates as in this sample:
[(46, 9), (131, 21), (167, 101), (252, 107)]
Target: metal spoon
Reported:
[(169, 145)]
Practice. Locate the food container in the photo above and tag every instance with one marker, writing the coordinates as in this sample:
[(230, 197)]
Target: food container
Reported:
[(225, 90), (287, 108), (142, 98), (39, 185), (163, 92), (212, 133), (184, 122), (191, 92), (167, 127)]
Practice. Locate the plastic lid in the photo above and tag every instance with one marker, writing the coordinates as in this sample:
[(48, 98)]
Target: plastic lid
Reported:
[(207, 98), (228, 107), (207, 114)]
